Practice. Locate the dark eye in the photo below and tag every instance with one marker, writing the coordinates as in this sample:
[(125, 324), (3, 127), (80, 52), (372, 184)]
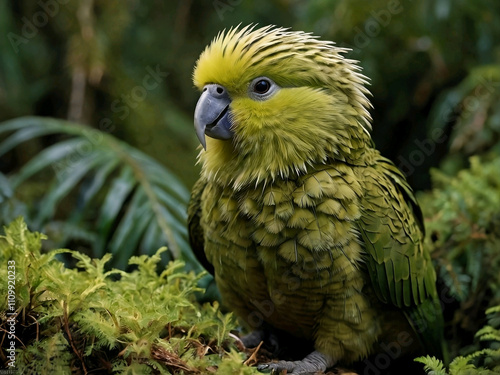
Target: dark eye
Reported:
[(262, 86)]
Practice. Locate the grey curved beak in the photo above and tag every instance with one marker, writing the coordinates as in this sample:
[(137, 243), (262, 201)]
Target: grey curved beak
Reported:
[(211, 116)]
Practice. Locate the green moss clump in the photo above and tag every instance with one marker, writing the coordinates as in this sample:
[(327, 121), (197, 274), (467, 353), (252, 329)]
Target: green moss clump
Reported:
[(92, 320)]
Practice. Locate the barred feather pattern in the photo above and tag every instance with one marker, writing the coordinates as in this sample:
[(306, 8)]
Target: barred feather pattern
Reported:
[(306, 225), (290, 251)]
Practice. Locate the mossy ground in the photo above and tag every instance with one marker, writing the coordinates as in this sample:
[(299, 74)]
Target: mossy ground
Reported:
[(93, 319)]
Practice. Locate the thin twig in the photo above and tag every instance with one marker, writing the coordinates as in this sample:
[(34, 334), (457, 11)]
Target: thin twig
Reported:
[(253, 358), (77, 96), (10, 333), (66, 328)]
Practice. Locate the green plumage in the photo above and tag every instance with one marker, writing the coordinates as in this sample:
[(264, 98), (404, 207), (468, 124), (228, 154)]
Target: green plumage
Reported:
[(326, 245)]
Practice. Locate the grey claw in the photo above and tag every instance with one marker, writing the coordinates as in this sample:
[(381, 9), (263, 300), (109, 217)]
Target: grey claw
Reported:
[(274, 368), (311, 364), (264, 368)]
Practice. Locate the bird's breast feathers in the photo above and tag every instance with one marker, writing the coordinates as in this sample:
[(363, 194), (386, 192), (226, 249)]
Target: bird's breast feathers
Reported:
[(306, 225), (291, 246)]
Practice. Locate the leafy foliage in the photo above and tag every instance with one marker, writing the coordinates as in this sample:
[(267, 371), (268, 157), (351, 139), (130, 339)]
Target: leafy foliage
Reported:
[(123, 200), (472, 111), (76, 66), (489, 357), (91, 319), (462, 223)]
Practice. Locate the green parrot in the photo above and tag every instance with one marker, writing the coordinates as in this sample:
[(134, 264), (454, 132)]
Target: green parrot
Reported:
[(307, 229)]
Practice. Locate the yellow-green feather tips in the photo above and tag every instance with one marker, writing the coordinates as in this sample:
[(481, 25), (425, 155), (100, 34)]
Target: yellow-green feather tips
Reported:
[(291, 58), (298, 211), (320, 112)]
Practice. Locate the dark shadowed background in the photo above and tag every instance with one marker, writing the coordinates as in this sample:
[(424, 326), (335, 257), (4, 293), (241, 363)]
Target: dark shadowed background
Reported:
[(89, 61)]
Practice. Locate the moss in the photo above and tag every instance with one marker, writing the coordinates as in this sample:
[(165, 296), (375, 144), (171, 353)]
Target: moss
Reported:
[(90, 319)]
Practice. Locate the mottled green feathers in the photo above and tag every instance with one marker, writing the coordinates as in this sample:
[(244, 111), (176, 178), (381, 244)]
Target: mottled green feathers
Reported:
[(304, 224)]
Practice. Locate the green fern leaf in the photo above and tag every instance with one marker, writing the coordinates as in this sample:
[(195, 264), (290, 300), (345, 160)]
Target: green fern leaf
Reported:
[(142, 203)]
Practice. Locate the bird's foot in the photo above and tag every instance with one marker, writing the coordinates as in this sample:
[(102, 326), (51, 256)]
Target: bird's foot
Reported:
[(311, 364)]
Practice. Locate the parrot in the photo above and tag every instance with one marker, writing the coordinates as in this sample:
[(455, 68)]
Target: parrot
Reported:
[(306, 227)]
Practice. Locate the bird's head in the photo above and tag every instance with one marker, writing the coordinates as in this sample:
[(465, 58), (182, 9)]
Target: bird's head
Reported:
[(274, 101)]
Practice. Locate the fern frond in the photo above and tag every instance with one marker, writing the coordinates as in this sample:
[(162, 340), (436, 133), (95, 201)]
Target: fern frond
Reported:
[(142, 205), (461, 365), (432, 364)]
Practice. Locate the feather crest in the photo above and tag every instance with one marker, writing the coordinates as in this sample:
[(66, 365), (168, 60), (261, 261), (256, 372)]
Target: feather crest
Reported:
[(320, 109)]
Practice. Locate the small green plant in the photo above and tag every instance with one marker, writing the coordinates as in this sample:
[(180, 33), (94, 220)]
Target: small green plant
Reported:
[(463, 228), (462, 224), (480, 362), (93, 320)]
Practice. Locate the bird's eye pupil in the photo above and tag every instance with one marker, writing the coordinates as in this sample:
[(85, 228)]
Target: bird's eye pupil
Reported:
[(262, 86)]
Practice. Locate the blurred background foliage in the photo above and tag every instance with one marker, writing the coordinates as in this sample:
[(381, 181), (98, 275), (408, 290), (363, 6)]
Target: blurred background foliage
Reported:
[(88, 60), (106, 158), (124, 68)]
